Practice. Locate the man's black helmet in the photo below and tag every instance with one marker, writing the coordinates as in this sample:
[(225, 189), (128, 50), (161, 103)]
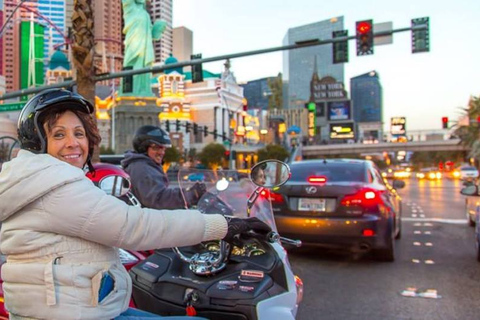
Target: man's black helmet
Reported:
[(146, 135), (31, 134)]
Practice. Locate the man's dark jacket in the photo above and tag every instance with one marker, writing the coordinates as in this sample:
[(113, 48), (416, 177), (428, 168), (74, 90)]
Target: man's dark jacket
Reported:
[(150, 183)]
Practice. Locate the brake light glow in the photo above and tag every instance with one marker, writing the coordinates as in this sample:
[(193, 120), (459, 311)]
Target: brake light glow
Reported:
[(299, 286), (317, 179), (276, 197), (364, 197), (368, 233)]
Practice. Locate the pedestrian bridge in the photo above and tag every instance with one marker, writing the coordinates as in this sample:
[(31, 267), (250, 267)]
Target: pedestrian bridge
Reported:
[(358, 148)]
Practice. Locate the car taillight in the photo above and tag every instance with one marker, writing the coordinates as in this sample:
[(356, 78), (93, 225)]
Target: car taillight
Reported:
[(364, 197), (276, 197), (317, 179)]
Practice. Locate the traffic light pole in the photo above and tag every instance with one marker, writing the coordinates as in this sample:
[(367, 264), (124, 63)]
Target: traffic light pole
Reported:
[(158, 69)]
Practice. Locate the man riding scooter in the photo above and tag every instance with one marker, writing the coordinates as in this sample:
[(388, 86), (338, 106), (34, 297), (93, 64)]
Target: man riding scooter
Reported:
[(149, 182)]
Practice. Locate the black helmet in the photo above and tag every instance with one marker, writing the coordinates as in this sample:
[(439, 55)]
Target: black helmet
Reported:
[(146, 135), (30, 132)]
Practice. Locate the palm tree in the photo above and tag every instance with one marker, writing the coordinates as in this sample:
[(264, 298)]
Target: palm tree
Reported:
[(469, 134), (83, 53), (83, 48)]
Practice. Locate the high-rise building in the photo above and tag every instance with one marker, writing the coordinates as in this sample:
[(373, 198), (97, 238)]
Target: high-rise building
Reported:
[(10, 37), (182, 43), (298, 64), (31, 54), (366, 96), (53, 10), (257, 93), (108, 34), (68, 14), (162, 9), (1, 39)]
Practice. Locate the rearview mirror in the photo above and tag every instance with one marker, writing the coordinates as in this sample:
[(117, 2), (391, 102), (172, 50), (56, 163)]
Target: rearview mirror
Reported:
[(270, 173), (114, 185), (471, 190)]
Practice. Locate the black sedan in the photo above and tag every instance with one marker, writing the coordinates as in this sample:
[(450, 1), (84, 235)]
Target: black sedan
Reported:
[(340, 203)]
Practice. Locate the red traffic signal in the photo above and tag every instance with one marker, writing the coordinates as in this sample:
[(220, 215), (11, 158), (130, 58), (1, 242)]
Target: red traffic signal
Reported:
[(364, 37), (445, 122), (364, 27)]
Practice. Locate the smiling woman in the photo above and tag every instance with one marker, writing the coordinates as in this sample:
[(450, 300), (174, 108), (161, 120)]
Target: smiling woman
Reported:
[(61, 234), (66, 137)]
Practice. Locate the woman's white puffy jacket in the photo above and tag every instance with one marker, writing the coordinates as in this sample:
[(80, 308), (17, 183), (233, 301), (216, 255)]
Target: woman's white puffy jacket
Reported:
[(60, 234)]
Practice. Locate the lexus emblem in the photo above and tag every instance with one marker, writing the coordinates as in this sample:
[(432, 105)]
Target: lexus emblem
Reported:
[(311, 190)]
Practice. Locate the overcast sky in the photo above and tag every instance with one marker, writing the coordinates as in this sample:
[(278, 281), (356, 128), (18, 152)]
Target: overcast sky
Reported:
[(423, 87)]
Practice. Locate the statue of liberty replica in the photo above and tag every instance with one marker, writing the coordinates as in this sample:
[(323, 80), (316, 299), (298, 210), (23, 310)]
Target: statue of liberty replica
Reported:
[(139, 35), (128, 114)]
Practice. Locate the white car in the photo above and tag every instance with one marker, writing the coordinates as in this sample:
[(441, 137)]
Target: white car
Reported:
[(468, 173)]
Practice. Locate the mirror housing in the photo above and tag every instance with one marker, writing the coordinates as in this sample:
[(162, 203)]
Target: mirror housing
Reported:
[(270, 173), (115, 185), (398, 184), (470, 190)]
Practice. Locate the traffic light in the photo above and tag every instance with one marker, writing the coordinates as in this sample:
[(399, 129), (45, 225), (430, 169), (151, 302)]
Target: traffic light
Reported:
[(340, 48), (167, 125), (215, 134), (187, 127), (224, 136), (245, 104), (127, 81), (197, 70), (195, 129), (205, 131), (227, 154), (364, 37), (311, 106), (420, 35), (177, 125), (445, 122)]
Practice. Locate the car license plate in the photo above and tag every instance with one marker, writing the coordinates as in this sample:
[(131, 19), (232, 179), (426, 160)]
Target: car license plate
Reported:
[(311, 204)]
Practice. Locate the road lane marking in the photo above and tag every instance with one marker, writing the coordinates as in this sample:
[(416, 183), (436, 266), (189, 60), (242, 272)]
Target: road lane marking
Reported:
[(440, 220), (416, 293)]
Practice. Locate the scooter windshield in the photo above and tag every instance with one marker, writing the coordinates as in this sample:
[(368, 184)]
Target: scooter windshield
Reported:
[(227, 193)]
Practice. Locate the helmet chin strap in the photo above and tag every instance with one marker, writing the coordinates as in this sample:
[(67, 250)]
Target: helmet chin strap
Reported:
[(89, 163)]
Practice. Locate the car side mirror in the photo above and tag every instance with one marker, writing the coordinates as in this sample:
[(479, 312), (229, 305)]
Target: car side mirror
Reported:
[(471, 190), (270, 173), (398, 184)]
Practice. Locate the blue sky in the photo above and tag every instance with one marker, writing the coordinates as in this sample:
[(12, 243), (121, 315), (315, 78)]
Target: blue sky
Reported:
[(423, 87)]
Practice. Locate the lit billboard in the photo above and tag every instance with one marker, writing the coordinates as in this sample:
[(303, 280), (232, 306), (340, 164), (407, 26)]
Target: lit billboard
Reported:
[(343, 130), (398, 126), (339, 110)]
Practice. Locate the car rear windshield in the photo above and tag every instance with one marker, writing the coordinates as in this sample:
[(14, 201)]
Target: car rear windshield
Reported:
[(468, 169), (334, 172)]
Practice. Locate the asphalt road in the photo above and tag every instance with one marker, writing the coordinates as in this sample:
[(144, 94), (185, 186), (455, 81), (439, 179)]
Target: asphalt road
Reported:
[(435, 261)]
